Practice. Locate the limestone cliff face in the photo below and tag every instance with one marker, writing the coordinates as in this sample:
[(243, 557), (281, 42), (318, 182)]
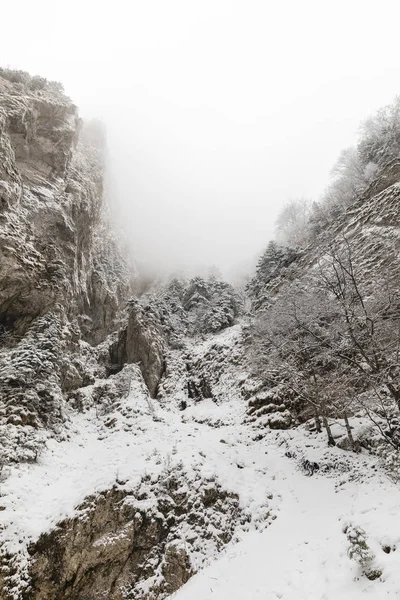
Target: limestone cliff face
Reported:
[(62, 276), (140, 341), (51, 188)]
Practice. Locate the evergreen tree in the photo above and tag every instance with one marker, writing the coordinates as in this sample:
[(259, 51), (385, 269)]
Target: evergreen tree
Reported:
[(269, 266)]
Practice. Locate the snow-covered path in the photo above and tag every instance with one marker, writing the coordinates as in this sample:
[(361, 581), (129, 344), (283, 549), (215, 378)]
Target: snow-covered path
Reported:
[(302, 555)]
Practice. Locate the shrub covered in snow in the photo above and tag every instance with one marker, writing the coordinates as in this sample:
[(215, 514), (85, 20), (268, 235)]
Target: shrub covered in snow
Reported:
[(32, 82), (30, 386), (359, 551)]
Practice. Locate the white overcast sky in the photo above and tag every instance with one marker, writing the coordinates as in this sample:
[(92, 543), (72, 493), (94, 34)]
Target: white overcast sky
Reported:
[(217, 111)]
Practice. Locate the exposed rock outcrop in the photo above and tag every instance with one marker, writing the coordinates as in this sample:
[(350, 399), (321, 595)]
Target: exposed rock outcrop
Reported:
[(140, 341), (130, 544), (62, 275), (52, 244)]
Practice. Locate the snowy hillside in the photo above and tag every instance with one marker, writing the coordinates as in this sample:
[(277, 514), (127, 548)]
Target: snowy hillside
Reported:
[(139, 447), (283, 532)]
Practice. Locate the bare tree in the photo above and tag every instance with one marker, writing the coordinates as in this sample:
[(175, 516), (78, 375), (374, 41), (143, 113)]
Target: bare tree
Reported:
[(292, 223), (289, 339), (367, 328), (336, 343), (350, 177)]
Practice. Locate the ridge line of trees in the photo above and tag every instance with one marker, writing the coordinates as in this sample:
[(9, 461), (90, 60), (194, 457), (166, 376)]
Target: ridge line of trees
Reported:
[(356, 168)]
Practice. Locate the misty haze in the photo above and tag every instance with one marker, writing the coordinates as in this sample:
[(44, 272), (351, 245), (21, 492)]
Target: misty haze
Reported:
[(199, 300), (217, 113)]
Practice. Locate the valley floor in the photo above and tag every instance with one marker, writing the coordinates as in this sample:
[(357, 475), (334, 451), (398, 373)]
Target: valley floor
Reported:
[(300, 555)]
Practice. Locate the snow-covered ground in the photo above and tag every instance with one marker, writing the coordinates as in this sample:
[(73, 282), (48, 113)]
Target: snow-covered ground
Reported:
[(139, 438), (302, 554)]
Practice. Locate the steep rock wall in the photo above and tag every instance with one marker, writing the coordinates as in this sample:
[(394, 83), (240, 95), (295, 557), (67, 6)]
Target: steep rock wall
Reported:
[(62, 275), (51, 188), (140, 341)]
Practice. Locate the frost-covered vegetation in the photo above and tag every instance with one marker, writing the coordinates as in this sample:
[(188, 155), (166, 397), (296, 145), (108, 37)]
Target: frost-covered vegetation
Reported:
[(325, 338), (31, 82), (272, 264), (300, 221), (195, 307), (335, 344), (359, 550)]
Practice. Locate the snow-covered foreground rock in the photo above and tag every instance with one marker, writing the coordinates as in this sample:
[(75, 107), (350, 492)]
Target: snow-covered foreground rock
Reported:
[(39, 495)]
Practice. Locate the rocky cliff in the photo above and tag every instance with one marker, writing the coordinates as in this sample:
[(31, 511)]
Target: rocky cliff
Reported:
[(62, 276)]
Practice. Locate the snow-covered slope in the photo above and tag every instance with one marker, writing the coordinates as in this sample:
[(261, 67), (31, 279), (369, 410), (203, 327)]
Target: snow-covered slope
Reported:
[(285, 530), (142, 449), (303, 554)]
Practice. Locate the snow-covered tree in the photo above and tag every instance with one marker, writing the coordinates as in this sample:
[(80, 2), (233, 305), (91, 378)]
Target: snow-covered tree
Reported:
[(212, 303), (272, 263), (291, 351), (292, 223), (350, 177), (335, 344), (356, 167), (198, 306), (380, 136)]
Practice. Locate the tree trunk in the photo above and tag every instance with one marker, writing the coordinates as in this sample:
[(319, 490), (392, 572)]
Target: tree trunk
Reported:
[(349, 432), (331, 441), (317, 421)]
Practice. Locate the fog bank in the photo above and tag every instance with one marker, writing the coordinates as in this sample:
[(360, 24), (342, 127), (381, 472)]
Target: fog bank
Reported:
[(217, 112)]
